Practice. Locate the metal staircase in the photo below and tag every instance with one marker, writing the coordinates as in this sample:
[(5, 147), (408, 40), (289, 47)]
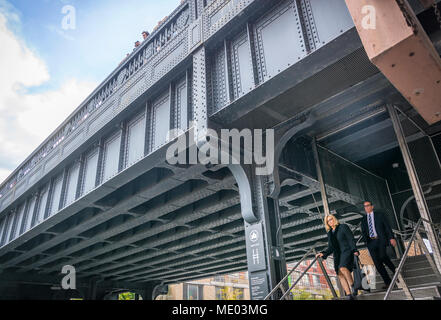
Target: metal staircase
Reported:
[(416, 277), (420, 278)]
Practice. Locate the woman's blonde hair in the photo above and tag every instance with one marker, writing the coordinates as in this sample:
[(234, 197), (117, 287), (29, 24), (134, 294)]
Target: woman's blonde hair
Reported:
[(326, 222)]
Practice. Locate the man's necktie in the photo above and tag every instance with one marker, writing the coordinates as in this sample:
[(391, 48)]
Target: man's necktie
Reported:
[(371, 227)]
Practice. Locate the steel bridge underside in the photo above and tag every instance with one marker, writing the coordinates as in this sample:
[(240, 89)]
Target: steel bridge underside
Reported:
[(170, 224), (158, 223)]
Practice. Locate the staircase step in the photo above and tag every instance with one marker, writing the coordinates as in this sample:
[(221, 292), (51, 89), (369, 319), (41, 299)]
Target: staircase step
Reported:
[(420, 293), (421, 281), (414, 281), (427, 271), (417, 272), (416, 264), (422, 262), (411, 259)]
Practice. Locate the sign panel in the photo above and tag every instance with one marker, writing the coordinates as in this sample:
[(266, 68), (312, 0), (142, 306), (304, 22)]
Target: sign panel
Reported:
[(259, 288), (255, 247)]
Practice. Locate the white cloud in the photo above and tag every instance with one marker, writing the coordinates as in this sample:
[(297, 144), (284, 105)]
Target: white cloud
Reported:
[(60, 32), (27, 119), (9, 12)]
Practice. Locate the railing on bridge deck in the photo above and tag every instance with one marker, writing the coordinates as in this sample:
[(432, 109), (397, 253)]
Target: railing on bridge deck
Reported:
[(101, 105), (83, 152)]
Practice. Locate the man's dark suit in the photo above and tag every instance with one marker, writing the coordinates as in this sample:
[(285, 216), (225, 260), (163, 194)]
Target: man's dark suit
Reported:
[(377, 247)]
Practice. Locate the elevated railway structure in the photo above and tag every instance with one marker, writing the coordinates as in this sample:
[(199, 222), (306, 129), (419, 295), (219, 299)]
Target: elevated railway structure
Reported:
[(100, 195)]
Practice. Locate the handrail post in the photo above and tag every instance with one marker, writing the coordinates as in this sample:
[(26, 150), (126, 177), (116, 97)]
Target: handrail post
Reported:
[(397, 252), (401, 264), (325, 273)]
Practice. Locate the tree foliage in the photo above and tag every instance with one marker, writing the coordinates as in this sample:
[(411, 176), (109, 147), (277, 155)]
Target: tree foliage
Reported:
[(229, 293), (126, 296)]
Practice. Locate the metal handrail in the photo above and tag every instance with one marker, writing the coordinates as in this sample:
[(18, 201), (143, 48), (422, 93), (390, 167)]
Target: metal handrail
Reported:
[(435, 225), (316, 259), (325, 273), (400, 265), (403, 235), (398, 270), (299, 278), (279, 285), (288, 274)]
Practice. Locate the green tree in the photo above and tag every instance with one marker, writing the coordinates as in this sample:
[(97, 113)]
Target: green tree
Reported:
[(126, 296), (228, 293)]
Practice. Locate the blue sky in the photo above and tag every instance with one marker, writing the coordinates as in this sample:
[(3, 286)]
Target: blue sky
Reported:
[(105, 32), (47, 71)]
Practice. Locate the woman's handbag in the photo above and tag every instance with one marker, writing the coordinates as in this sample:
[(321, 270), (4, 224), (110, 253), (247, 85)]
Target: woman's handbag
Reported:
[(359, 275)]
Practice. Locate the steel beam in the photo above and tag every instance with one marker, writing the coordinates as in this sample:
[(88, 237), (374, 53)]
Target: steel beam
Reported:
[(399, 46), (152, 215), (142, 196), (200, 249), (292, 221), (294, 234)]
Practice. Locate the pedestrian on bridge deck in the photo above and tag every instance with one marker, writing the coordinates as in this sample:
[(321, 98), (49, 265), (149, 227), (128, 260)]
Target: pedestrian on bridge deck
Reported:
[(145, 35), (341, 244)]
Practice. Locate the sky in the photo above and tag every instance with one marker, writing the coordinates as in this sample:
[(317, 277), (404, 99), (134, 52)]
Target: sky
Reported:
[(53, 54)]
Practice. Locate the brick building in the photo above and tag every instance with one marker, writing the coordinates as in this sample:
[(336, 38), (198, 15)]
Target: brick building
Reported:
[(223, 287), (313, 284)]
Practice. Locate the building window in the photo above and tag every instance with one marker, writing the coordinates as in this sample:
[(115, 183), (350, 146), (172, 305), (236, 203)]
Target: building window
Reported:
[(193, 292), (334, 282), (219, 278), (234, 278), (305, 280), (239, 293), (219, 293), (295, 275), (316, 280)]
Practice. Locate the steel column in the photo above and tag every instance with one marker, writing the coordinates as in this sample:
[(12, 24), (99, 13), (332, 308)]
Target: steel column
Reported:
[(416, 186), (265, 254), (264, 244), (277, 253), (320, 178)]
